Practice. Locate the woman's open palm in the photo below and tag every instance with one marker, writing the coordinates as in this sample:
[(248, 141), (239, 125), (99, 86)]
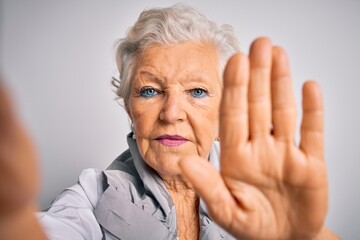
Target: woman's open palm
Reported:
[(268, 187)]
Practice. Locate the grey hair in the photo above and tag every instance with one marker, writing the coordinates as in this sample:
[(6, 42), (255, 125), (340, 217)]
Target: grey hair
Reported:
[(172, 25)]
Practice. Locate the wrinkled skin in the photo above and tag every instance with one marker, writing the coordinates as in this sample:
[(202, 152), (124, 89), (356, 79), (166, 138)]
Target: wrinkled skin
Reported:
[(173, 73), (268, 187)]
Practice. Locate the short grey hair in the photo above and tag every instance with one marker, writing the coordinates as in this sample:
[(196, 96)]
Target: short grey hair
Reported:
[(172, 25)]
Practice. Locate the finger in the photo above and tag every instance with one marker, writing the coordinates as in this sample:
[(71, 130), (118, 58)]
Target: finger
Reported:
[(282, 97), (259, 88), (210, 186), (312, 125), (234, 128)]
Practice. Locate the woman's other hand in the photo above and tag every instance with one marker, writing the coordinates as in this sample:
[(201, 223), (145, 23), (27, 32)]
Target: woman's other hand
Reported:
[(18, 176), (268, 187), (18, 160)]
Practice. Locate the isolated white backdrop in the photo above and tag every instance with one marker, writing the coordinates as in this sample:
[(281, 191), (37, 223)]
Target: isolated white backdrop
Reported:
[(58, 59)]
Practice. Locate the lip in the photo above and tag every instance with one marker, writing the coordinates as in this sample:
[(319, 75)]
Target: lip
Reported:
[(171, 140)]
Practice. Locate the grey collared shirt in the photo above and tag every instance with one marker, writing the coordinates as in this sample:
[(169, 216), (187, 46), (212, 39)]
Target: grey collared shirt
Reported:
[(127, 201)]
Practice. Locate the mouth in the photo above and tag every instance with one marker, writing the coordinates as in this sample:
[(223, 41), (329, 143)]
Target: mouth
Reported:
[(171, 140)]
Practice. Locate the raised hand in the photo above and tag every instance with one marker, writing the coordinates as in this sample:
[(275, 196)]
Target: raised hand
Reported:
[(268, 187)]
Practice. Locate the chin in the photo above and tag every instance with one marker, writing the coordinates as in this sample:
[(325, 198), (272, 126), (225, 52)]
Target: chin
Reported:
[(165, 164), (168, 171)]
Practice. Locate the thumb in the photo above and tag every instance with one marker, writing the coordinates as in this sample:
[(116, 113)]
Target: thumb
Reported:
[(209, 184)]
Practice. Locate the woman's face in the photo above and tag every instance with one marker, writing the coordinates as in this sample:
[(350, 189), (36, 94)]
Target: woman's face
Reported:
[(174, 104)]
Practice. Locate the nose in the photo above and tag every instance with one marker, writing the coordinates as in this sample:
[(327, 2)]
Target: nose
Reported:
[(172, 110)]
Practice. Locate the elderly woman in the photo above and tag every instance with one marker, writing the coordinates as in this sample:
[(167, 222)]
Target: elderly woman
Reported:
[(183, 101)]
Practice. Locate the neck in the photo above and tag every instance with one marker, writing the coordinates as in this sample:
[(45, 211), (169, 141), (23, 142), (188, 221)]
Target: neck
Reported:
[(186, 204)]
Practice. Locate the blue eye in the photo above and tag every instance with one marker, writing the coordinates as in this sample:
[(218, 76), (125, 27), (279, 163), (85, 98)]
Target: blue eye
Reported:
[(198, 93), (148, 92)]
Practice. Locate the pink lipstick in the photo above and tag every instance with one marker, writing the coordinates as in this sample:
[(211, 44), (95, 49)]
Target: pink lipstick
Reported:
[(171, 140)]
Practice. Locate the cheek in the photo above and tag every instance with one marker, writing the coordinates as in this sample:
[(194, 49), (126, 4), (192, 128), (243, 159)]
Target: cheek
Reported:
[(211, 126), (143, 117), (206, 128), (213, 116)]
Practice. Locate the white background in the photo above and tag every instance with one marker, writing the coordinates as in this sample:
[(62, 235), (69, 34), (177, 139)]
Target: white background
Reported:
[(58, 60)]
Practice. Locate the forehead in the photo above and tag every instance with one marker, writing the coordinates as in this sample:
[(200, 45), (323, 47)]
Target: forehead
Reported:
[(180, 61)]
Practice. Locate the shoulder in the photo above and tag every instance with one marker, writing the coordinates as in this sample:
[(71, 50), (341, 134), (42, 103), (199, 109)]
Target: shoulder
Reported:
[(92, 183), (85, 193)]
